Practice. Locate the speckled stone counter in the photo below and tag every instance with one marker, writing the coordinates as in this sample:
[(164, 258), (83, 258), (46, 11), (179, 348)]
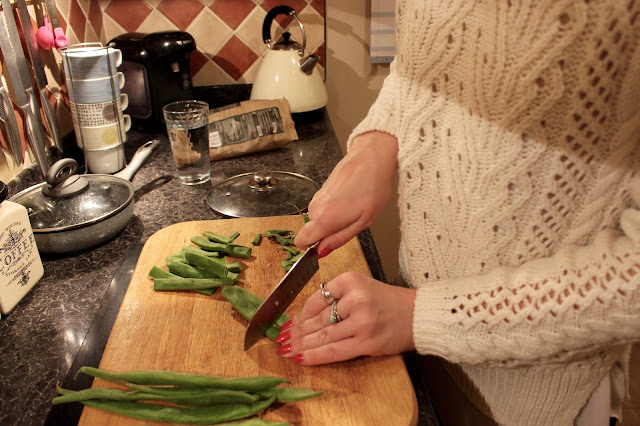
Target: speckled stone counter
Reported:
[(65, 318)]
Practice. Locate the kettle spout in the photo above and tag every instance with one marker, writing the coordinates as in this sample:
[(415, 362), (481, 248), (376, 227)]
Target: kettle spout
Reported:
[(306, 64)]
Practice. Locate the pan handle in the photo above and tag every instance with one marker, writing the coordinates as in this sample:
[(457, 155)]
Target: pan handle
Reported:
[(138, 159)]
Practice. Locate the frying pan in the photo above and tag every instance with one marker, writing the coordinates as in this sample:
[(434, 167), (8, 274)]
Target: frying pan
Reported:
[(71, 212)]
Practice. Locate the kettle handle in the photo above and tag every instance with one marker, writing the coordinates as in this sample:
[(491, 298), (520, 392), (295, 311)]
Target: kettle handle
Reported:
[(268, 20)]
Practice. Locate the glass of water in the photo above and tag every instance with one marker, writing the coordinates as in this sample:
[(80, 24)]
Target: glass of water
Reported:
[(187, 128)]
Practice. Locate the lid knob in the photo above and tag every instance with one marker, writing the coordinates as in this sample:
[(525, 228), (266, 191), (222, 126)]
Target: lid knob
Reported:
[(263, 180), (62, 180)]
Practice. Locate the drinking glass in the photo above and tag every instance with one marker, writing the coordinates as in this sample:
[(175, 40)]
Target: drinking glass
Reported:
[(187, 128)]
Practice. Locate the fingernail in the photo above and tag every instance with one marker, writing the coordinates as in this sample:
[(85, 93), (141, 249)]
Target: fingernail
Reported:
[(284, 349), (298, 358), (325, 252), (283, 337), (286, 325)]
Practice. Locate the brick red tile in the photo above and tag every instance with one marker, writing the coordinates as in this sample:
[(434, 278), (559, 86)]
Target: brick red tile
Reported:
[(180, 12), (235, 57), (129, 14), (319, 6), (95, 16), (77, 20), (283, 20), (232, 12), (197, 60)]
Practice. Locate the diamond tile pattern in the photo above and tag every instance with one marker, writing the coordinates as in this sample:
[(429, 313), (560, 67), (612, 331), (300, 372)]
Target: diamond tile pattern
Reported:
[(228, 33)]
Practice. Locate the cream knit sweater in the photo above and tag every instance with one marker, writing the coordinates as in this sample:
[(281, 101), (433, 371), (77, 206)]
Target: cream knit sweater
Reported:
[(518, 124)]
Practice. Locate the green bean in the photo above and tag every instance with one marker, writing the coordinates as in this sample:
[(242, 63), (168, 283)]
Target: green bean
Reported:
[(190, 415), (289, 394), (170, 378), (185, 270), (156, 272), (247, 304), (179, 283), (228, 249), (193, 249), (196, 396), (256, 240), (270, 232), (219, 238), (68, 395), (233, 276), (206, 263), (292, 250)]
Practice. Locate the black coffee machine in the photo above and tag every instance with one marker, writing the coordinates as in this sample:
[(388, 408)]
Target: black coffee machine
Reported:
[(156, 71)]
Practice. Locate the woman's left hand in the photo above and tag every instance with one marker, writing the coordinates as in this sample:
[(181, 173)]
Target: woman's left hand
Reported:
[(375, 319)]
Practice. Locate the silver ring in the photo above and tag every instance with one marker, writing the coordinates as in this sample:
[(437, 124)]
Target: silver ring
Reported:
[(325, 293), (334, 317)]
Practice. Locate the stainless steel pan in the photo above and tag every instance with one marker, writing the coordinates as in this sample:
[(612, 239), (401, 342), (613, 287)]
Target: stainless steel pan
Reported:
[(72, 212)]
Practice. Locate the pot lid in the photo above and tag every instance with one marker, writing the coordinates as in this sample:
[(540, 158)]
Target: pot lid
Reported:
[(92, 198), (262, 193)]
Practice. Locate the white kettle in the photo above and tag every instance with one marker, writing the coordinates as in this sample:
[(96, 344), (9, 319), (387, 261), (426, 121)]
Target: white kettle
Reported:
[(286, 71)]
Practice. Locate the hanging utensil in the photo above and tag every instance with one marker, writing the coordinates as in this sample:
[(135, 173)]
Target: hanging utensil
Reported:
[(10, 126), (38, 72), (59, 39), (21, 81)]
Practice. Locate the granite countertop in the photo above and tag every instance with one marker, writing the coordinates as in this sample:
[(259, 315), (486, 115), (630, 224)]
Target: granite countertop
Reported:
[(67, 316)]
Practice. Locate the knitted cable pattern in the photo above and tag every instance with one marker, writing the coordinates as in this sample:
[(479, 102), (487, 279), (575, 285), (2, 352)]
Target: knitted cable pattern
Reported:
[(519, 144)]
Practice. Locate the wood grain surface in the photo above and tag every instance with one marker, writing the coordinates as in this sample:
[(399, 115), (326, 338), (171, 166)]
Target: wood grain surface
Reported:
[(193, 333)]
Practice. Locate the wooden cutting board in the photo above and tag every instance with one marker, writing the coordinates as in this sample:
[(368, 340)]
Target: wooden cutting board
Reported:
[(192, 333)]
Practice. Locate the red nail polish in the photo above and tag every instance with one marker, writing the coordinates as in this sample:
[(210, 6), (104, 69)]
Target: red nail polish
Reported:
[(285, 349), (325, 252), (298, 358), (283, 337), (286, 325)]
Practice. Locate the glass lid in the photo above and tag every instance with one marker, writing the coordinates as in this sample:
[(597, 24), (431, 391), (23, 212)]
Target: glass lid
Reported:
[(262, 193), (76, 201)]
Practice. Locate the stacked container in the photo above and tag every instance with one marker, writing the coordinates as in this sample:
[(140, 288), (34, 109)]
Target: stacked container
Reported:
[(97, 104)]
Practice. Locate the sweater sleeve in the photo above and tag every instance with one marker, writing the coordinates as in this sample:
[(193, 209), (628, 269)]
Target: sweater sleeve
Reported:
[(546, 310), (382, 115)]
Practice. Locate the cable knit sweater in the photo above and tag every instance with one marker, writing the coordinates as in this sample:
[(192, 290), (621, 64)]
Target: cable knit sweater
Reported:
[(518, 124)]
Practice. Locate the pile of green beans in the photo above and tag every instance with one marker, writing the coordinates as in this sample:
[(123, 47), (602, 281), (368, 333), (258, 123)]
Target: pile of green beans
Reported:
[(203, 268), (194, 398)]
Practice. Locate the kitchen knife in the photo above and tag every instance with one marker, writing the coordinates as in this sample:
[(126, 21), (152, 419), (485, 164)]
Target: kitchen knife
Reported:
[(10, 125), (281, 297), (38, 72), (21, 81)]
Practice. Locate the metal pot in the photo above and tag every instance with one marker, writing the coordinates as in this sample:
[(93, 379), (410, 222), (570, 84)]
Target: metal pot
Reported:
[(72, 212)]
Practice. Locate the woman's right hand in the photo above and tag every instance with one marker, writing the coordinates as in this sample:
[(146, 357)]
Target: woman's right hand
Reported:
[(353, 196)]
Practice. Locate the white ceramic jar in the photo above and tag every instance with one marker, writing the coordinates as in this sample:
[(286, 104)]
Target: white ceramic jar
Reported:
[(20, 264)]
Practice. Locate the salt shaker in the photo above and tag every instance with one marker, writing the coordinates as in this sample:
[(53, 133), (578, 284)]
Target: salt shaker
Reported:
[(20, 264)]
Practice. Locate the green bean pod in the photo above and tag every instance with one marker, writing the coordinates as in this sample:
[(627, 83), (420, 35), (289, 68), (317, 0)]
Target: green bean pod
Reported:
[(207, 264), (179, 283), (170, 378), (289, 394), (188, 415), (196, 396)]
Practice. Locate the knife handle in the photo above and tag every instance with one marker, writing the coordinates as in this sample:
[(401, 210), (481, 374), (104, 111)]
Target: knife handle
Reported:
[(52, 120), (11, 124), (34, 133)]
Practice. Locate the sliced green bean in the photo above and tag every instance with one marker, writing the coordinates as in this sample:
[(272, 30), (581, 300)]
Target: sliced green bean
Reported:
[(289, 394), (293, 250), (179, 283), (219, 238), (246, 303), (206, 263), (156, 272), (189, 415), (193, 249), (270, 232), (228, 249), (256, 240), (171, 378), (233, 237), (185, 270)]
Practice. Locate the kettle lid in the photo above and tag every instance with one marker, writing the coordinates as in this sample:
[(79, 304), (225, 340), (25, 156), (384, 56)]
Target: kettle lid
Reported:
[(286, 43)]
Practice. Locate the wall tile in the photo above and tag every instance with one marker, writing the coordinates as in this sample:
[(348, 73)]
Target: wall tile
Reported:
[(228, 33)]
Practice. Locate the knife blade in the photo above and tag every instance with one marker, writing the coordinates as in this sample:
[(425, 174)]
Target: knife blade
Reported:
[(39, 74), (10, 125), (282, 295), (21, 81)]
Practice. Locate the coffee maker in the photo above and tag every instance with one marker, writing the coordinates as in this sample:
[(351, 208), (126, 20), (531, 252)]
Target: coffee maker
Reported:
[(157, 71)]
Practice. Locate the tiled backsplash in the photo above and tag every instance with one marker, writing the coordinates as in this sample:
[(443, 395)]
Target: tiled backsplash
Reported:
[(228, 33)]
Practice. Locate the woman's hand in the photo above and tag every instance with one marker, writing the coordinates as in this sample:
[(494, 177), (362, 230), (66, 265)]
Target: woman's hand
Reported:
[(375, 319), (355, 193)]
